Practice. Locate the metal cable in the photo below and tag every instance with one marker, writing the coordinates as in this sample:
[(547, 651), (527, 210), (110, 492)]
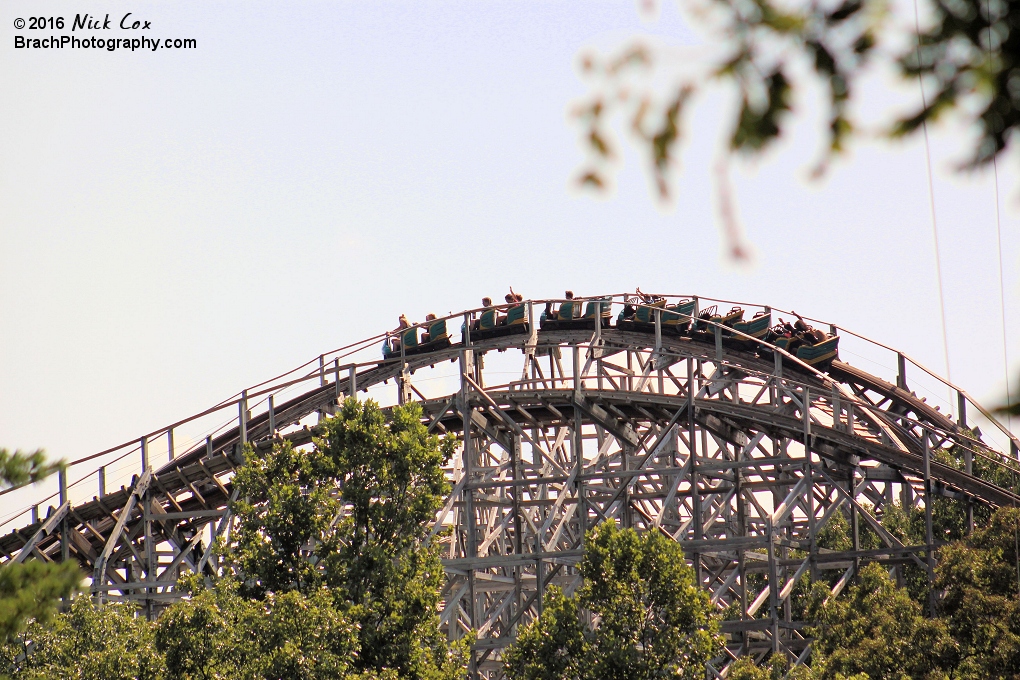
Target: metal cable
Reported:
[(1002, 309), (931, 203), (1002, 294)]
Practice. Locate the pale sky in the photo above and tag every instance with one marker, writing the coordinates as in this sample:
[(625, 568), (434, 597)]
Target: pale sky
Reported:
[(177, 225)]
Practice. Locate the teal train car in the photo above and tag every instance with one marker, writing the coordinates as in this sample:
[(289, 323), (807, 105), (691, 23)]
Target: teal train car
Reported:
[(493, 325), (569, 316), (674, 319), (705, 331), (435, 337), (677, 318), (816, 354), (757, 327), (820, 355)]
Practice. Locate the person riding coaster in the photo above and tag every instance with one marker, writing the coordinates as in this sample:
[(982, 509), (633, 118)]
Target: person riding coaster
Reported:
[(433, 337), (812, 346), (569, 315), (705, 332), (492, 324)]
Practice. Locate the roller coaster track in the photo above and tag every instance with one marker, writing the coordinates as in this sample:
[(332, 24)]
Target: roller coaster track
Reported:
[(741, 455)]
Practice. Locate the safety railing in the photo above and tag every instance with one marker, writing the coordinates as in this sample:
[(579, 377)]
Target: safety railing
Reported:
[(119, 463)]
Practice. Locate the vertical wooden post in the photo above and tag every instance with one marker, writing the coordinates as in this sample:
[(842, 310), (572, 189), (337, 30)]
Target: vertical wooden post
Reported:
[(336, 381), (901, 371), (517, 474), (696, 513), (658, 328), (467, 369), (352, 380), (146, 527), (402, 378), (538, 569), (272, 417), (810, 487), (837, 408), (658, 348), (717, 330), (242, 407), (741, 555), (597, 349), (630, 370), (170, 442), (577, 447), (65, 545), (102, 481), (855, 524), (773, 586), (968, 456), (322, 380), (929, 538)]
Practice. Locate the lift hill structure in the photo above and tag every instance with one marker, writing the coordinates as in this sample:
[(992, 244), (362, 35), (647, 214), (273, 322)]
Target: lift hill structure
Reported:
[(706, 427)]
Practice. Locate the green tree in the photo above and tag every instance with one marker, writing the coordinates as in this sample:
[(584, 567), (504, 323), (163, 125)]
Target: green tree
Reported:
[(217, 633), (88, 642), (776, 668), (878, 630), (638, 614), (285, 514), (353, 515), (22, 468), (30, 590), (979, 579)]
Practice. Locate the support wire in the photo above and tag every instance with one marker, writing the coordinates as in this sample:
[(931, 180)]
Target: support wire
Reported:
[(931, 204)]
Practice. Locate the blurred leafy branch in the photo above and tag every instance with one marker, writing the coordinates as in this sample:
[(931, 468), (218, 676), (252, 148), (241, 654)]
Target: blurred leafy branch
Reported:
[(30, 590), (21, 468), (966, 59)]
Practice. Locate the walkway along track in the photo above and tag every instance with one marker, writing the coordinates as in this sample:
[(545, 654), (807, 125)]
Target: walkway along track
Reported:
[(740, 458)]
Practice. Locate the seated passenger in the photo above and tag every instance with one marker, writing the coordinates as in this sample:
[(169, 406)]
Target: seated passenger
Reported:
[(549, 313), (425, 335), (629, 311), (799, 324), (510, 300), (402, 325), (568, 310), (486, 302)]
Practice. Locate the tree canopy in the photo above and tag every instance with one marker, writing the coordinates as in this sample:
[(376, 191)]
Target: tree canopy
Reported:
[(639, 613), (331, 574), (352, 516)]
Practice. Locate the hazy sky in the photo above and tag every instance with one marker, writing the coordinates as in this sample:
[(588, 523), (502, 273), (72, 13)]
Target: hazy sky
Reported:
[(176, 225)]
